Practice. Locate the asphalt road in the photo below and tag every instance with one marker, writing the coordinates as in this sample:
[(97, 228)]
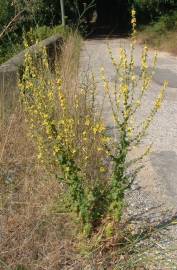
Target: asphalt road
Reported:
[(159, 177)]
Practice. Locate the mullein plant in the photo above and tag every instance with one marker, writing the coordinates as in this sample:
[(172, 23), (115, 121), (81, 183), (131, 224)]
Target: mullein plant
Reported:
[(69, 134), (71, 137), (126, 98)]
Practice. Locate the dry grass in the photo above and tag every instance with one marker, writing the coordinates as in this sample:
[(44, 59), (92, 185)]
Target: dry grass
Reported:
[(170, 43), (31, 233), (167, 43), (161, 34), (35, 233)]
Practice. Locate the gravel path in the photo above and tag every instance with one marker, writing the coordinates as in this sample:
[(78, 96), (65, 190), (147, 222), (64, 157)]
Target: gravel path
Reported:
[(153, 197)]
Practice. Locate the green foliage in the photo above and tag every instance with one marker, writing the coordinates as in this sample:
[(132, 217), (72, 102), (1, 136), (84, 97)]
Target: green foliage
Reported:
[(8, 50), (166, 23), (150, 10), (27, 13), (32, 11), (21, 267), (89, 204), (42, 16), (12, 46), (43, 32), (40, 33), (161, 34), (6, 12)]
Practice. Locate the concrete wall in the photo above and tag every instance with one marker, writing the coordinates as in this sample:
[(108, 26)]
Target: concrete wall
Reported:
[(10, 69)]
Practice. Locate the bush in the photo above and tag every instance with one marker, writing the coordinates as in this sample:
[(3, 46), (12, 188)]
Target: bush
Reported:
[(168, 22), (43, 32), (71, 137), (164, 24)]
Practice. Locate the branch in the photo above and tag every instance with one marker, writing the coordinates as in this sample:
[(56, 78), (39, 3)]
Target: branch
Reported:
[(14, 19)]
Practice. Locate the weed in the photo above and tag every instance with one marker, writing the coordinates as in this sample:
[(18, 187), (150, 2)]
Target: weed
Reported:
[(67, 132), (70, 136), (126, 98)]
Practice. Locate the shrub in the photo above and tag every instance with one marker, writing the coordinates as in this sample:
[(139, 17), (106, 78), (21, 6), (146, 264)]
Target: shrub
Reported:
[(71, 137), (169, 22), (165, 23), (42, 32)]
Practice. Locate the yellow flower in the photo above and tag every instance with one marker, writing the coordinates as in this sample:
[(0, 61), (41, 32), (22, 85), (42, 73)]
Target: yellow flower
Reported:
[(39, 156), (87, 122), (99, 128), (133, 78), (133, 21), (138, 102), (73, 151), (158, 103), (105, 139), (133, 12), (102, 170)]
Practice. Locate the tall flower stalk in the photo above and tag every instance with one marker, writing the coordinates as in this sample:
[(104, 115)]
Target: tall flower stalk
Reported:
[(126, 99)]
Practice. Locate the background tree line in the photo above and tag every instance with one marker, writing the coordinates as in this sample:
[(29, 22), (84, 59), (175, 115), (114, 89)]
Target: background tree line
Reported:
[(19, 16), (47, 12)]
